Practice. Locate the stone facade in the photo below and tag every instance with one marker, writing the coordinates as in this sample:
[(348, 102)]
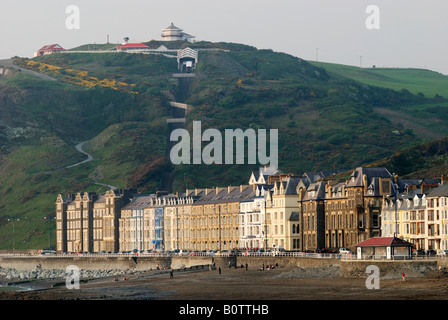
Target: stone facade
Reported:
[(88, 223), (313, 212)]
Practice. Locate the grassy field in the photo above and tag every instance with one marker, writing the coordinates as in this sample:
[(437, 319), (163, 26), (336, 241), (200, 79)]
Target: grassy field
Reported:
[(415, 81)]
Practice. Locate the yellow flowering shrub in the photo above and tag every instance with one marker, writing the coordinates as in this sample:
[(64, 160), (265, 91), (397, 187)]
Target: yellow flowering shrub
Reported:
[(74, 76)]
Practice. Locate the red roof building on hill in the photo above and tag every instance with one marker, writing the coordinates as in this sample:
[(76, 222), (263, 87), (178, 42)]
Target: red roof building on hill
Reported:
[(132, 46), (48, 49)]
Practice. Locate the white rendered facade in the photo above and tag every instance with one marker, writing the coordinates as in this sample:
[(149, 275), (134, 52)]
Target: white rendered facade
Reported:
[(173, 33), (252, 222)]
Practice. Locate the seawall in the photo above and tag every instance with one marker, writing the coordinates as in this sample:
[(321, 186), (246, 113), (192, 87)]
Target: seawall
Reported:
[(136, 263), (350, 269), (390, 268)]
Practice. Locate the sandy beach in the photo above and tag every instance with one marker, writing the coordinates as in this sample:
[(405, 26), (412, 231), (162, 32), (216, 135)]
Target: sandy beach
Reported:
[(282, 283)]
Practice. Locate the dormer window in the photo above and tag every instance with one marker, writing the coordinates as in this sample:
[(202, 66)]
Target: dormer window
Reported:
[(416, 202)]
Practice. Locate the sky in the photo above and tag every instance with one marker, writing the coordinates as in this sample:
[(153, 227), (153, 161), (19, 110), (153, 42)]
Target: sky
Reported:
[(398, 33)]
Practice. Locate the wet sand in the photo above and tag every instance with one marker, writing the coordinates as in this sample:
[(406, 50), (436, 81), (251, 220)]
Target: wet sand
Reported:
[(237, 284)]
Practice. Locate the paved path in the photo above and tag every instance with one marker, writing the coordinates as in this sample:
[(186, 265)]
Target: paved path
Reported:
[(10, 64), (79, 148)]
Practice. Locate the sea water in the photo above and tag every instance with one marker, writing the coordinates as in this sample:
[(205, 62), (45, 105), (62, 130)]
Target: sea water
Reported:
[(13, 288)]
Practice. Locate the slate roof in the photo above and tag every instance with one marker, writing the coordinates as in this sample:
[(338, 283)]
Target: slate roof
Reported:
[(223, 196), (315, 191), (404, 183), (315, 176), (336, 190), (295, 216), (100, 199), (441, 191), (139, 202), (356, 179)]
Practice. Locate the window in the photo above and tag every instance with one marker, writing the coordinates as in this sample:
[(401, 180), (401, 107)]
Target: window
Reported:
[(375, 220)]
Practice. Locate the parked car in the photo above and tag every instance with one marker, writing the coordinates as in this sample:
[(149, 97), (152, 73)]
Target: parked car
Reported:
[(418, 252), (47, 252), (442, 253), (431, 252), (344, 251)]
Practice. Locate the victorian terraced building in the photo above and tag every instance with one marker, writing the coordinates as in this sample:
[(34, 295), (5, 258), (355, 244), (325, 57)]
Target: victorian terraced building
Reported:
[(418, 213), (297, 213)]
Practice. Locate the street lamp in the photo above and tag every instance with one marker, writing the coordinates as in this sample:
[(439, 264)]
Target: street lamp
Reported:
[(13, 233), (49, 228)]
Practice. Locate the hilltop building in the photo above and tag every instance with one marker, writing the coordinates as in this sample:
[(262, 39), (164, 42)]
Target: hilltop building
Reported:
[(48, 49), (132, 46), (173, 33), (187, 59)]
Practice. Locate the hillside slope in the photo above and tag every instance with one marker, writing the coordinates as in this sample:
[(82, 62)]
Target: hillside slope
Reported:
[(119, 102), (427, 82)]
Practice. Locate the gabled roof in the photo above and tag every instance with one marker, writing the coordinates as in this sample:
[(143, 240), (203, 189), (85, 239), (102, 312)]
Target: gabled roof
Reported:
[(356, 179), (336, 190), (315, 191), (288, 184), (52, 47), (384, 241)]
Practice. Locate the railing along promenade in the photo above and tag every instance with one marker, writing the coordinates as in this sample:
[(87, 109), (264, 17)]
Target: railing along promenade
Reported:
[(226, 254)]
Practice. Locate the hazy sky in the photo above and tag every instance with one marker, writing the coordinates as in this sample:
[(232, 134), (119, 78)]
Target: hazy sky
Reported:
[(412, 33)]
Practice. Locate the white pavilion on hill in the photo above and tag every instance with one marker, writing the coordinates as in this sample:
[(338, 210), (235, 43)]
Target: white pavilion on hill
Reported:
[(173, 33)]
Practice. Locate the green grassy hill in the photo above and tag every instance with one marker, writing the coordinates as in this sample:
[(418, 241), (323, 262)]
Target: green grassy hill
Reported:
[(425, 160), (427, 82), (328, 118), (425, 120)]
